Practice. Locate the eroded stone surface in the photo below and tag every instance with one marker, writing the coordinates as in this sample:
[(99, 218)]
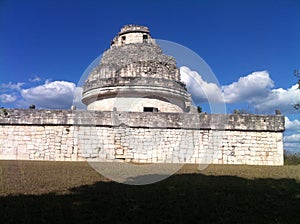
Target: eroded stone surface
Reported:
[(141, 137), (136, 68)]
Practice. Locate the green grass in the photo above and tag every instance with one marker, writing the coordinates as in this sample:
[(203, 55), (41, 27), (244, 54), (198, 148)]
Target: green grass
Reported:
[(72, 192)]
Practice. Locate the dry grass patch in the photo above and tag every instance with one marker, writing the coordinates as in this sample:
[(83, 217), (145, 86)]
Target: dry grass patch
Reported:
[(72, 192)]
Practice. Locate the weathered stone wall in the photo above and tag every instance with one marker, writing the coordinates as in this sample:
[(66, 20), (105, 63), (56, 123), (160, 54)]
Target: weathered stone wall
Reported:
[(132, 34), (141, 137), (113, 60), (149, 69), (133, 104)]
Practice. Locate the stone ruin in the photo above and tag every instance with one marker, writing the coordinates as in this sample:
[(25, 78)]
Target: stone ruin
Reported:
[(139, 111)]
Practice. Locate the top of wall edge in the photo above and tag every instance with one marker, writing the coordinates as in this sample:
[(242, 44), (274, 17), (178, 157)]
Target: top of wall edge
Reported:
[(246, 122)]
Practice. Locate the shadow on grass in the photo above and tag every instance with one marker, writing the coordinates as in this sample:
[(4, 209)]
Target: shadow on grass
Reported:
[(184, 198)]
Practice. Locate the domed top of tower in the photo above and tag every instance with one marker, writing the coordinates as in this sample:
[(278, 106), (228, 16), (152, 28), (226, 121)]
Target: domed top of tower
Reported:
[(135, 67), (132, 34)]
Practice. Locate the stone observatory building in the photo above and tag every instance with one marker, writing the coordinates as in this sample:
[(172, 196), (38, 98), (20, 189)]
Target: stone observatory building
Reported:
[(134, 75), (139, 112)]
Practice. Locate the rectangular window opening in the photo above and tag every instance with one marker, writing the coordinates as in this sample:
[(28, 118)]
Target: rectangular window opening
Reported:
[(150, 109), (145, 38)]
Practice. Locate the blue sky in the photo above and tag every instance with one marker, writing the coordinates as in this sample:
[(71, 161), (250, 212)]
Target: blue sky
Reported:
[(45, 46)]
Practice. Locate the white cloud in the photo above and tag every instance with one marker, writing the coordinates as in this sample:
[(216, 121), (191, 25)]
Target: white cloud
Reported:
[(292, 125), (77, 98), (255, 89), (294, 138), (283, 99), (248, 88), (35, 79), (201, 90), (12, 86), (48, 81), (52, 95), (8, 98)]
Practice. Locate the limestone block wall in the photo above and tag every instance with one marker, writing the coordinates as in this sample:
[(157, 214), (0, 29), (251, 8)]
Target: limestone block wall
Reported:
[(141, 137)]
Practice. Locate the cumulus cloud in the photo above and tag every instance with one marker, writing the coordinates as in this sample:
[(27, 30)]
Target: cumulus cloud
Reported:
[(52, 95), (249, 88), (77, 98), (255, 89), (292, 125), (201, 90), (283, 99), (12, 86), (8, 98), (292, 135)]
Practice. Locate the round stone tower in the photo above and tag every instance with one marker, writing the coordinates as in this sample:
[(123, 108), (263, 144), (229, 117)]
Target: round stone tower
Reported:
[(135, 75)]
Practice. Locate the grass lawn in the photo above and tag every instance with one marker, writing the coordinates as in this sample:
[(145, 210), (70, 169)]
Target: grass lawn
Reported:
[(72, 192)]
